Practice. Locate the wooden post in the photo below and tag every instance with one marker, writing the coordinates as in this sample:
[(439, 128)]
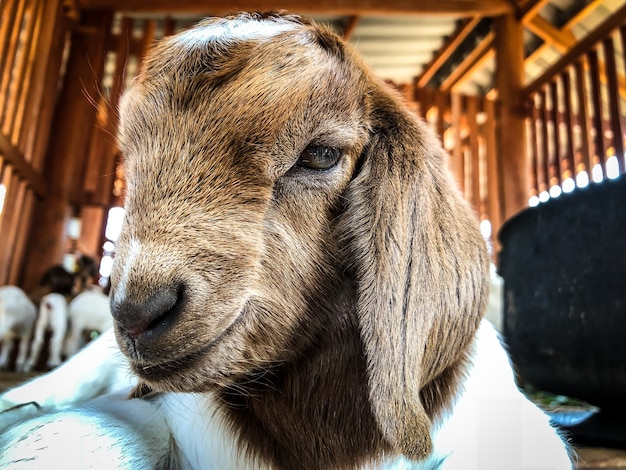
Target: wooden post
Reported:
[(510, 127), (74, 117)]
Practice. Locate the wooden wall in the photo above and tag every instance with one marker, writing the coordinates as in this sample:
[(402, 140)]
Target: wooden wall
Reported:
[(576, 114), (61, 76), (32, 46), (467, 128)]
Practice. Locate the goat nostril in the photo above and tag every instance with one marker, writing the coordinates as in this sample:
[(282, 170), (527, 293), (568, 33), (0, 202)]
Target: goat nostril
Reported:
[(158, 310)]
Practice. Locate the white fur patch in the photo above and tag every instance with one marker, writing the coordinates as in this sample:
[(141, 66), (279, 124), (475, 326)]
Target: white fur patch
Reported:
[(134, 249), (233, 31)]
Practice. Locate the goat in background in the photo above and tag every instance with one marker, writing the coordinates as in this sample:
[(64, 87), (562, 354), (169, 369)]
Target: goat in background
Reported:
[(17, 317), (297, 285)]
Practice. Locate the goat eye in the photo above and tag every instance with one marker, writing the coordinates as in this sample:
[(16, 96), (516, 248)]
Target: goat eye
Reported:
[(319, 157)]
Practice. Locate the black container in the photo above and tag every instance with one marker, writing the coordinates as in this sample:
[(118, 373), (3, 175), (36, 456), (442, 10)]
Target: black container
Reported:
[(564, 269)]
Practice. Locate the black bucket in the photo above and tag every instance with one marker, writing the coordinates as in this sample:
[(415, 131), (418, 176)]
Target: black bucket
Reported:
[(564, 269)]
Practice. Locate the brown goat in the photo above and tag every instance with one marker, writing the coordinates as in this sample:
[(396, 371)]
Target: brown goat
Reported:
[(296, 260)]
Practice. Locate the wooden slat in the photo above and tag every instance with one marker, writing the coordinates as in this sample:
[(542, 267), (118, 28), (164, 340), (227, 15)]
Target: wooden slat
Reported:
[(18, 73), (349, 27), (494, 176), (102, 141), (457, 164), (583, 115), (614, 101), (622, 35), (472, 120), (147, 39), (441, 101), (446, 50), (556, 141), (533, 150), (612, 22), (569, 120), (9, 60), (23, 168), (21, 238), (106, 168), (11, 215), (13, 127), (336, 7), (596, 100), (544, 116), (33, 105), (39, 133), (169, 26), (5, 180), (8, 11)]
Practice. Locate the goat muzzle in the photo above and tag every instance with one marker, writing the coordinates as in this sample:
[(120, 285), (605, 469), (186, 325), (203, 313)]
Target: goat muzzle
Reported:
[(150, 317)]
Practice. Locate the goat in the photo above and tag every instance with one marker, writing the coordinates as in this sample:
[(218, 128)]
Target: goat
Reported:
[(17, 316), (88, 311), (297, 284), (52, 316)]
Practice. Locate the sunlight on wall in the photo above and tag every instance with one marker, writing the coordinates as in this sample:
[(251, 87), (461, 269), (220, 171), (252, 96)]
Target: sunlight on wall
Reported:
[(582, 181), (485, 228), (3, 193), (114, 223), (112, 233)]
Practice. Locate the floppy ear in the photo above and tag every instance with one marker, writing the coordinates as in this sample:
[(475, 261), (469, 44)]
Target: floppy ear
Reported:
[(422, 269)]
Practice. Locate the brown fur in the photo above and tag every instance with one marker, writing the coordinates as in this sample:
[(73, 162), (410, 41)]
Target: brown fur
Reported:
[(332, 311)]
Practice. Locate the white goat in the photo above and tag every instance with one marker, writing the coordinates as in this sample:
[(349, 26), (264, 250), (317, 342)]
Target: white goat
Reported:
[(297, 284), (52, 317), (17, 316), (88, 311)]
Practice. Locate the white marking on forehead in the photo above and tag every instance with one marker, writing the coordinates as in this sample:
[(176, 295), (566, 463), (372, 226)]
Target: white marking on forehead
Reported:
[(134, 248), (234, 30)]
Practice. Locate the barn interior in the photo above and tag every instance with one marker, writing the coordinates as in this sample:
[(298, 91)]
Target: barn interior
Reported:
[(528, 98)]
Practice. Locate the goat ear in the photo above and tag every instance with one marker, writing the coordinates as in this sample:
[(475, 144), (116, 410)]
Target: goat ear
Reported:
[(421, 266)]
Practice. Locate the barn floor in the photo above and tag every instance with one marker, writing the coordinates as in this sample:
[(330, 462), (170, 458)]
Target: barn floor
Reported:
[(589, 458)]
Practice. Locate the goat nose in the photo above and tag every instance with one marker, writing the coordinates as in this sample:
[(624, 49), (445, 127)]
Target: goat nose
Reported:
[(156, 312)]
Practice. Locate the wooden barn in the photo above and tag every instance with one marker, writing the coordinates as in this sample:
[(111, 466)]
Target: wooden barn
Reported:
[(527, 96)]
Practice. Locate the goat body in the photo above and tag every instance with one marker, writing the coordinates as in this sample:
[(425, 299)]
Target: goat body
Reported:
[(297, 282), (17, 316), (53, 317), (88, 311)]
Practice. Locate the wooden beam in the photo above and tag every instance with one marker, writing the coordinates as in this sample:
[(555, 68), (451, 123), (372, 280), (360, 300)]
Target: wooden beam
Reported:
[(612, 22), (21, 166), (477, 56), (528, 12), (336, 7), (563, 40), (577, 18), (510, 127), (447, 49), (350, 26), (531, 9), (494, 172), (484, 51)]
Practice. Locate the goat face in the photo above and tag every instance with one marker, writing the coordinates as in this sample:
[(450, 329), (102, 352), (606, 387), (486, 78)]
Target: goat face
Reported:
[(226, 235), (276, 193)]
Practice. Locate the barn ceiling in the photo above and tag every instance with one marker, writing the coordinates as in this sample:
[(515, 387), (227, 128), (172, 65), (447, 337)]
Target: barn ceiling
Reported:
[(446, 44)]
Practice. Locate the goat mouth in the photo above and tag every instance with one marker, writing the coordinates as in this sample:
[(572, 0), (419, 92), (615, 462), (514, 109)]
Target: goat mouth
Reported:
[(184, 367)]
